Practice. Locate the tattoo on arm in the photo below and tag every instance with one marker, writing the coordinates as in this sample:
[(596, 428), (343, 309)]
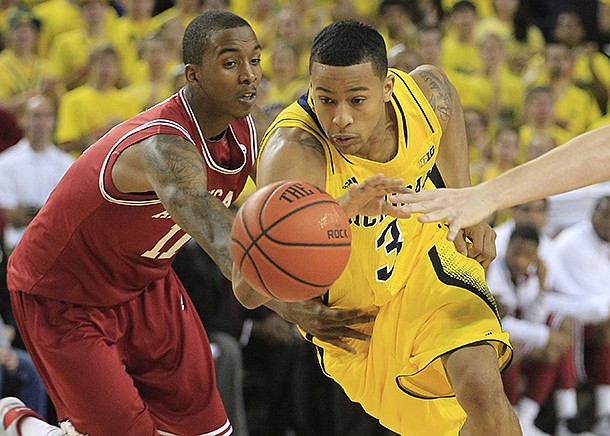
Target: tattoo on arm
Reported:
[(179, 178), (307, 140), (441, 95)]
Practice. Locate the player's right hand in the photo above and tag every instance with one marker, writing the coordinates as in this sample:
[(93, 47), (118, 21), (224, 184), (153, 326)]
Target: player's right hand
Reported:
[(325, 323)]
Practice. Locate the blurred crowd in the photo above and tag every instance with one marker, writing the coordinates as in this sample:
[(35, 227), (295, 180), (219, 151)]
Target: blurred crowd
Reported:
[(531, 74)]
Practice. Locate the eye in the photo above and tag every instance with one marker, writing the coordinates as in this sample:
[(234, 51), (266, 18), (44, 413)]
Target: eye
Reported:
[(358, 100), (325, 100), (255, 61), (229, 64)]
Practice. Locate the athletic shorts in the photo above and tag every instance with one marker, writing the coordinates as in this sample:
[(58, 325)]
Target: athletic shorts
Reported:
[(398, 376), (132, 369)]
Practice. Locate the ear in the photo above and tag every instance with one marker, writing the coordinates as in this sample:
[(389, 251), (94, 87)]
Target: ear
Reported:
[(191, 74), (388, 87)]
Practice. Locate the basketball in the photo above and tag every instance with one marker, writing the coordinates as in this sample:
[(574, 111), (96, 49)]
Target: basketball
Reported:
[(290, 241)]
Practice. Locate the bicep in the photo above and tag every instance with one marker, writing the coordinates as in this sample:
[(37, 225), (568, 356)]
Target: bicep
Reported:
[(292, 154), (174, 168), (452, 158)]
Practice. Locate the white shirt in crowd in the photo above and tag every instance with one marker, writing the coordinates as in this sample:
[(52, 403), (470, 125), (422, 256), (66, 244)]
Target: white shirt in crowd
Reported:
[(27, 178)]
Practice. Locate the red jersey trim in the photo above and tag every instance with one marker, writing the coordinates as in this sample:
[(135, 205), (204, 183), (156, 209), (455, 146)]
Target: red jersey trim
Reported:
[(158, 122), (206, 153)]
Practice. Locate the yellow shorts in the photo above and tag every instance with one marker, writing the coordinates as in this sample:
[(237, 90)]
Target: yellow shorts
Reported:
[(398, 376)]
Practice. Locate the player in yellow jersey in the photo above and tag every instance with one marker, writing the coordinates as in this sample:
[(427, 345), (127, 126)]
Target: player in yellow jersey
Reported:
[(432, 364)]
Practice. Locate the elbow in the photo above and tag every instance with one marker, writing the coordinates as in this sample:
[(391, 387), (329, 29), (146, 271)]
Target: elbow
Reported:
[(245, 294)]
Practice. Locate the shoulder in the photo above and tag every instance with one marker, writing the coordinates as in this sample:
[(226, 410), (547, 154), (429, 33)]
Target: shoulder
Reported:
[(292, 139), (437, 88), (60, 156), (14, 152), (430, 78), (292, 153)]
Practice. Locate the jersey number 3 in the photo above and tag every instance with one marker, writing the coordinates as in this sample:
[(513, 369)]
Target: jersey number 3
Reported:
[(391, 241)]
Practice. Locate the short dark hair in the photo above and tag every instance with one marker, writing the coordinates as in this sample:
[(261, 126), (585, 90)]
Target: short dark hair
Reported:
[(349, 42), (525, 232), (464, 5), (198, 32)]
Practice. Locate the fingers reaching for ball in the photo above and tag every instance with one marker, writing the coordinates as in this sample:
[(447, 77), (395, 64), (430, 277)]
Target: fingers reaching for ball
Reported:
[(370, 197)]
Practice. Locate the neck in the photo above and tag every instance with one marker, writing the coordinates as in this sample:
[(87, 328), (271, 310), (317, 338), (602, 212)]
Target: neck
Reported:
[(38, 144), (384, 146), (210, 126)]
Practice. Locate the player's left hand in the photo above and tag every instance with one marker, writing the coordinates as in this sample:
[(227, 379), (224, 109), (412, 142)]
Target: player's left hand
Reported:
[(324, 323), (369, 197), (477, 242)]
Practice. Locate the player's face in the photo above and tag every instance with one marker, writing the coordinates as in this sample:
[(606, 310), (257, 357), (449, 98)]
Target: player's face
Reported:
[(521, 254), (532, 214), (350, 105), (228, 78)]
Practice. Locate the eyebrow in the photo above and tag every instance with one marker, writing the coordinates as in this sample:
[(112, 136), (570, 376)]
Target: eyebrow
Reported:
[(356, 88), (234, 50)]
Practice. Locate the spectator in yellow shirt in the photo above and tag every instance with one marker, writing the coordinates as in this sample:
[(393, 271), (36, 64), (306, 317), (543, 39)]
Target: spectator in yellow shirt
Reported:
[(285, 85), (575, 109), (136, 23), (171, 32), (477, 133), (157, 82), (86, 113), (23, 73), (505, 90), (290, 27), (512, 19), (70, 50), (591, 68), (460, 48), (396, 22), (539, 117), (60, 16)]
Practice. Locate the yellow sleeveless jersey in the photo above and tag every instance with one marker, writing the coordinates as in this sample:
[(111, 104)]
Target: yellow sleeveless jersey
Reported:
[(382, 255), (430, 299)]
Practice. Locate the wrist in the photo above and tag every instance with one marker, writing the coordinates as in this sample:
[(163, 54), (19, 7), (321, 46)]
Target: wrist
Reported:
[(277, 306)]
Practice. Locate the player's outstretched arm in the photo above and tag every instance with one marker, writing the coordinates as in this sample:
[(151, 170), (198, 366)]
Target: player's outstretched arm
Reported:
[(174, 169), (582, 161)]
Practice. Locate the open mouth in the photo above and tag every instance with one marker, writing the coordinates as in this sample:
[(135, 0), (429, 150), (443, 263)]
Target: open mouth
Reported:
[(248, 97)]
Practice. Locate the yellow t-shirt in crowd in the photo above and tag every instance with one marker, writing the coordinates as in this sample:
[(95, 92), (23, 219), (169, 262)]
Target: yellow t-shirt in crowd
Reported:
[(70, 52), (144, 94), (84, 110), (460, 57), (17, 76), (60, 16)]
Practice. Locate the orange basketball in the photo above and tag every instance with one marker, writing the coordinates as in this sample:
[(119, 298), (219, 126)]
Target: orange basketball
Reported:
[(291, 241)]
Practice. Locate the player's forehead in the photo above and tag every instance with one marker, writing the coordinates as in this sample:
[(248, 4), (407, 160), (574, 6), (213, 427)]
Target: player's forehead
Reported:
[(334, 79), (233, 40)]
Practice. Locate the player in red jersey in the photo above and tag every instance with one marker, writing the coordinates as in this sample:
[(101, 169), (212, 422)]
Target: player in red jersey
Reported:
[(113, 334)]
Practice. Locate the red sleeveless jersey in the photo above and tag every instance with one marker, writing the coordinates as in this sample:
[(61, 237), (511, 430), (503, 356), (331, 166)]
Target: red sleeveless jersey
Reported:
[(93, 245)]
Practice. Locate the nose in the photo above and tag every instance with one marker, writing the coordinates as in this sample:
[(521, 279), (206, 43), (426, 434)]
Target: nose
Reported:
[(248, 74), (343, 117)]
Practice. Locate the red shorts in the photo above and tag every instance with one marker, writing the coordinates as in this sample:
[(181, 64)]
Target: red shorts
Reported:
[(130, 369)]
